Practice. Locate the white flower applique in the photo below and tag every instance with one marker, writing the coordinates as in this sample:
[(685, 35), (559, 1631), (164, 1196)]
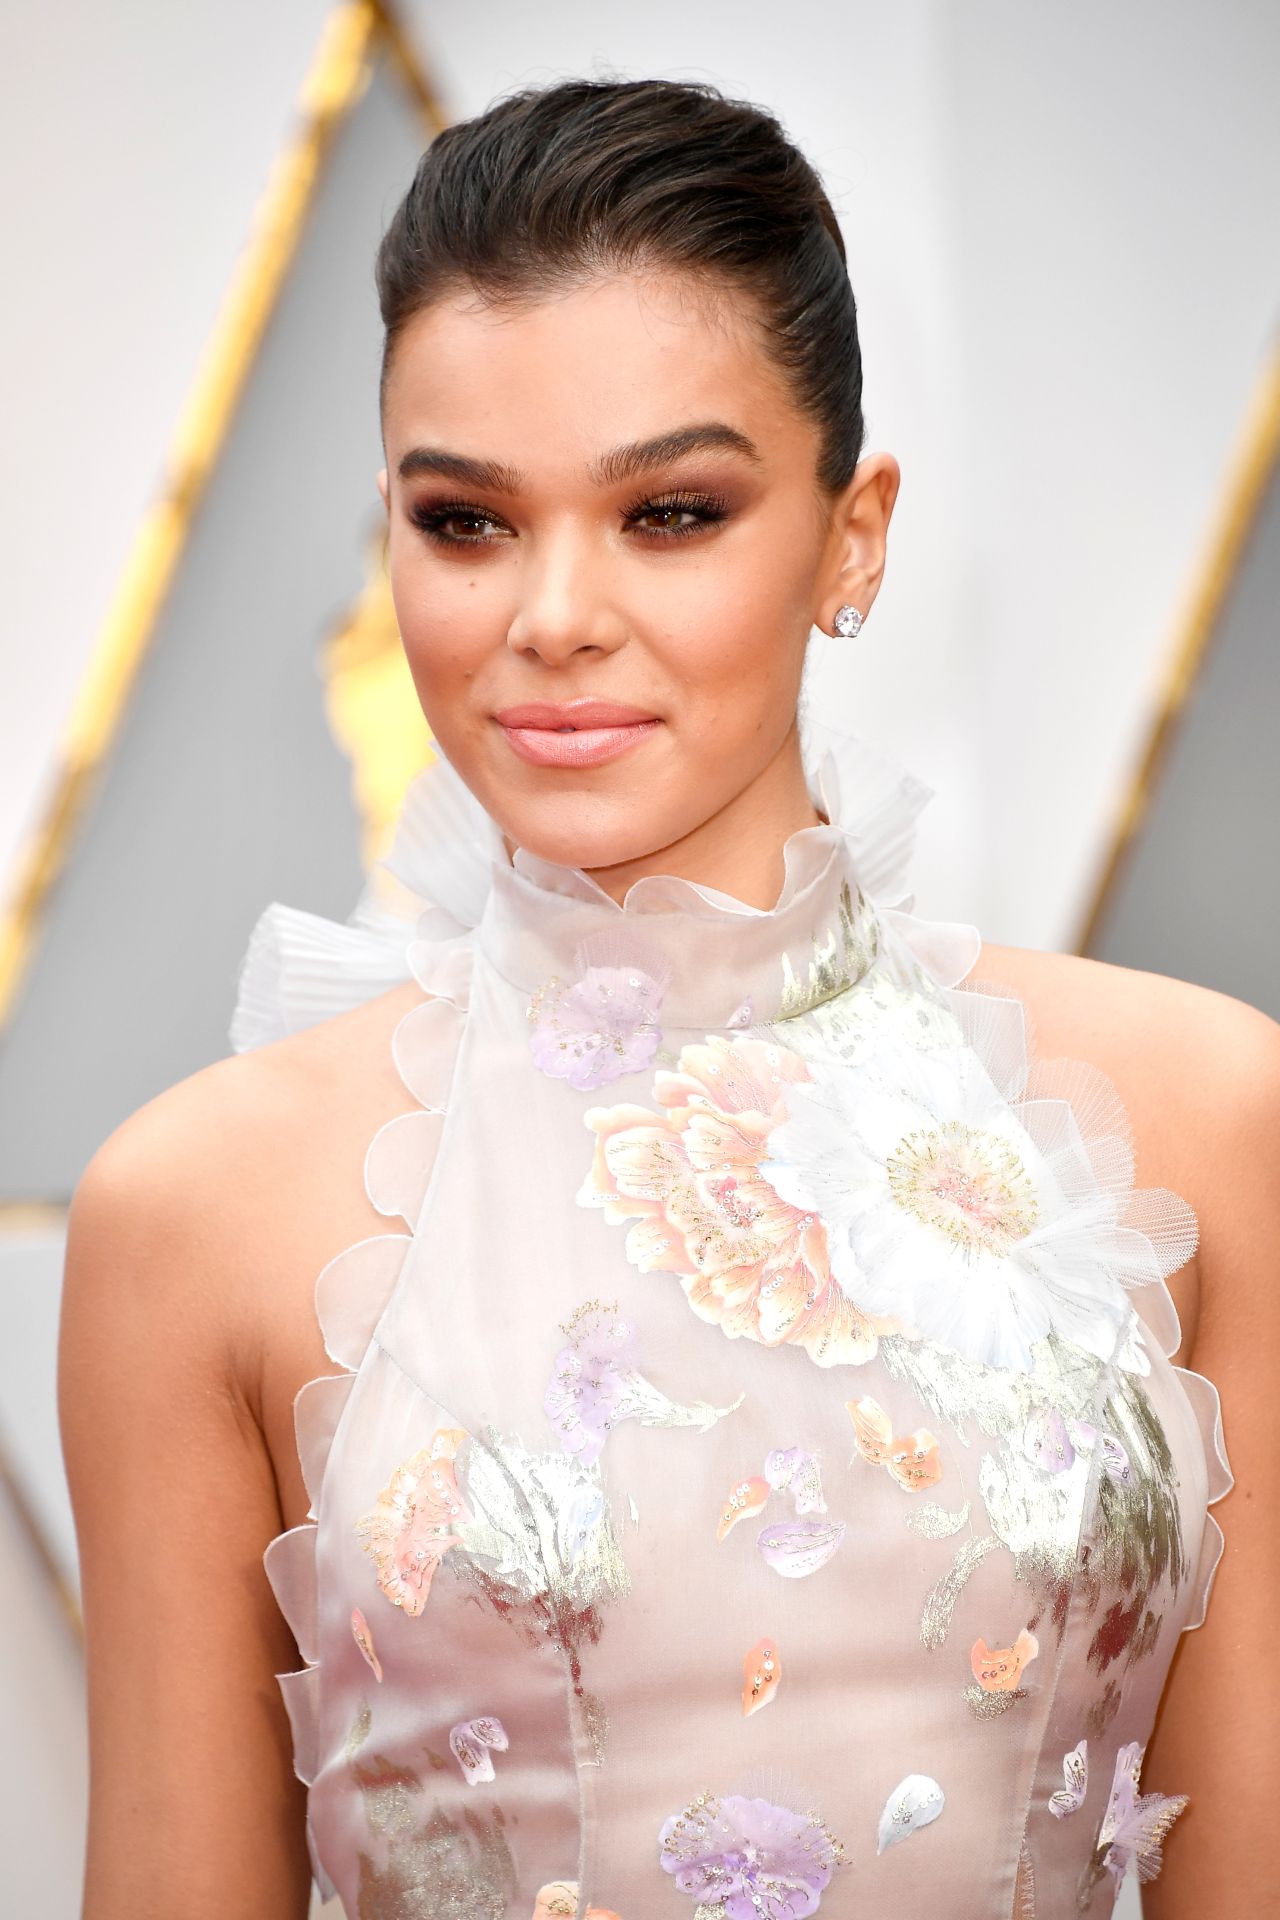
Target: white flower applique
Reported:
[(1133, 1828), (983, 1221)]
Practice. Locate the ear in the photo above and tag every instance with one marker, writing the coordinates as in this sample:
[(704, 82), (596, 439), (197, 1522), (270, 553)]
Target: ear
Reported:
[(854, 563), (382, 489)]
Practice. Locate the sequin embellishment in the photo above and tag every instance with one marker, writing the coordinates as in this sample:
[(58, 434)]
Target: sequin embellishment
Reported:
[(914, 1803), (413, 1525), (761, 1672), (1069, 1797), (605, 1023), (471, 1743), (743, 1857), (690, 1181)]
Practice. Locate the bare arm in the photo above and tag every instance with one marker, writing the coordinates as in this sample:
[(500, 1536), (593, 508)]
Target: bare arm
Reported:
[(194, 1806), (1215, 1738)]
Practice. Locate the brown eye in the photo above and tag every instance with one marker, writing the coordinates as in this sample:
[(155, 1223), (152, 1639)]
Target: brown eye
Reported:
[(678, 515), (441, 519)]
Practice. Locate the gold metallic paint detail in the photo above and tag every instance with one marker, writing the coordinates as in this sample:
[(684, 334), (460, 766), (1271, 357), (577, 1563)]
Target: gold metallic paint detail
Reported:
[(935, 1523), (837, 958), (542, 1552), (389, 1792), (1248, 475), (959, 1390), (359, 1730), (989, 1706), (353, 35), (440, 1869), (940, 1601)]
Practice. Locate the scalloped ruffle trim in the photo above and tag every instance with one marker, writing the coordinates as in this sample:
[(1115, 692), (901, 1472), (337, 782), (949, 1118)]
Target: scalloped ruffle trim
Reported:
[(352, 1292)]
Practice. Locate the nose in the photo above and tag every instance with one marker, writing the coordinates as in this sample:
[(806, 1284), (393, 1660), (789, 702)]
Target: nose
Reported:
[(565, 605)]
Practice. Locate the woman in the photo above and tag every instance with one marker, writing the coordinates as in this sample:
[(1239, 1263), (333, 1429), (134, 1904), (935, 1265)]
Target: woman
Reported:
[(736, 1311)]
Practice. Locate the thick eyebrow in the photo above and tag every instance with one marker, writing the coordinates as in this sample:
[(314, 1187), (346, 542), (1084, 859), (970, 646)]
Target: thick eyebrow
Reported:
[(709, 436)]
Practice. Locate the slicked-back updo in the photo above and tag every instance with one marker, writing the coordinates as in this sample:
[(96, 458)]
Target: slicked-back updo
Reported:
[(555, 185)]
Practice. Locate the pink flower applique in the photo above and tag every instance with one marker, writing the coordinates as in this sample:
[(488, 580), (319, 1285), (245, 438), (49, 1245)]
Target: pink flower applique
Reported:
[(364, 1640), (690, 1180), (999, 1670), (604, 1023), (747, 1858), (912, 1459), (596, 1383), (761, 1672), (1134, 1825), (411, 1526)]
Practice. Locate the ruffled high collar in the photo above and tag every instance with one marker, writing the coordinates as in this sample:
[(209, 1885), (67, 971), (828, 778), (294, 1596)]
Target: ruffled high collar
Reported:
[(844, 891)]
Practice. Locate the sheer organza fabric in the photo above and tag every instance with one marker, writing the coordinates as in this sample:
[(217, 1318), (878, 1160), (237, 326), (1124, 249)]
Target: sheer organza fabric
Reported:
[(754, 1480)]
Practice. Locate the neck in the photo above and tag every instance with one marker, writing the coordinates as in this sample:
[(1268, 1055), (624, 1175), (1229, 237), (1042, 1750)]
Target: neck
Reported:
[(739, 848)]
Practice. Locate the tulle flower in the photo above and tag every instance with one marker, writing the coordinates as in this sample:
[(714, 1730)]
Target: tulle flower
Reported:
[(748, 1858), (691, 1180), (1134, 1825), (963, 1192), (604, 1023)]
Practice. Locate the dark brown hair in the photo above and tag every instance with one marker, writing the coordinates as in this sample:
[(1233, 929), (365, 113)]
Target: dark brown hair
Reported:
[(555, 184)]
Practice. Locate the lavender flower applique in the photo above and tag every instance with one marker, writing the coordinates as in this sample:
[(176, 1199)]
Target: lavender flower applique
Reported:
[(745, 1858), (596, 1383), (604, 1023)]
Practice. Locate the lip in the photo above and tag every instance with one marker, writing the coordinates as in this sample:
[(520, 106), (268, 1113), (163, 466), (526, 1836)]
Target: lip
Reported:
[(574, 733), (571, 713)]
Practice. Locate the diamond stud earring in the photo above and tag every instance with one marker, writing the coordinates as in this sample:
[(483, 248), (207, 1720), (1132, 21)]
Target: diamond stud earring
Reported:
[(848, 622)]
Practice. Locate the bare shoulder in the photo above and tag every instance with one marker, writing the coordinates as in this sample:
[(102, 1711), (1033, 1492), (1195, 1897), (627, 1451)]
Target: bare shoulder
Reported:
[(1198, 1071), (187, 1324), (221, 1188)]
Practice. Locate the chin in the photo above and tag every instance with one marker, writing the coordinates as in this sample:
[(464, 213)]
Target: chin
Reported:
[(588, 831)]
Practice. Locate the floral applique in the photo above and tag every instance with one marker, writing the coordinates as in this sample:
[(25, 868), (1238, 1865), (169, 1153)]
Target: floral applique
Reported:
[(998, 1672), (912, 1459), (747, 1499), (792, 1548), (914, 1803), (690, 1180), (596, 1384), (745, 1858), (604, 1023), (1069, 1797), (414, 1523), (1133, 1828), (943, 1207), (761, 1672), (796, 1548), (364, 1640), (560, 1897), (471, 1743), (795, 1470)]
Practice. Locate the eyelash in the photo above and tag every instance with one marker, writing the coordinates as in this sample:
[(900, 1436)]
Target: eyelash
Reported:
[(710, 508)]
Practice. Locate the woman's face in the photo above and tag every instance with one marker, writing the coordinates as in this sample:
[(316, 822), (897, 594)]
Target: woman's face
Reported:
[(608, 496)]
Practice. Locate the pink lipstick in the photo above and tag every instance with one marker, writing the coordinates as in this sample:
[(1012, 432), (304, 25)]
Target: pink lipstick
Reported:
[(574, 733)]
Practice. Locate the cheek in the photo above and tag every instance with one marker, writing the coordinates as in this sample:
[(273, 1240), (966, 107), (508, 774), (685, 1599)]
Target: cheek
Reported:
[(446, 623)]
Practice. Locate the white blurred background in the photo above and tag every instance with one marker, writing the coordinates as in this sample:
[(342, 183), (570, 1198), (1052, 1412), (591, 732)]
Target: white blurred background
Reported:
[(1061, 229)]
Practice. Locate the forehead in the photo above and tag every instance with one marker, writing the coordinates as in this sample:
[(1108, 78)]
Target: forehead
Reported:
[(549, 381)]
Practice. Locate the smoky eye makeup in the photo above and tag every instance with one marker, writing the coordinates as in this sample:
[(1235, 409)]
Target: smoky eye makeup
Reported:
[(660, 517)]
